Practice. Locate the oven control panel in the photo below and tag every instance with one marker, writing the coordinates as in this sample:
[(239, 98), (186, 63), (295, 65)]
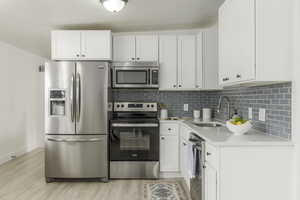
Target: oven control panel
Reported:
[(135, 106)]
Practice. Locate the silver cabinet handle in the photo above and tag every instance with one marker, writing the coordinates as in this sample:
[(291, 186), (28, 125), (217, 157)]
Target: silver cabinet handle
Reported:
[(239, 76), (132, 58), (225, 79), (179, 86), (162, 138), (133, 125), (75, 140), (138, 58), (77, 55), (208, 154), (72, 98), (174, 86), (78, 97), (83, 55)]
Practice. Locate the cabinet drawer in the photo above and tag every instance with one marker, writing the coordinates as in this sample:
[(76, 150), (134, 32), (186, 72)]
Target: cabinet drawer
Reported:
[(211, 155), (169, 129)]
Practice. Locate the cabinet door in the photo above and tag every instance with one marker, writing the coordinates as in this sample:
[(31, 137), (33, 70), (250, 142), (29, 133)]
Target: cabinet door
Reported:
[(210, 58), (169, 154), (96, 45), (65, 45), (147, 48), (200, 61), (186, 61), (211, 184), (168, 62), (184, 162), (124, 48), (237, 41)]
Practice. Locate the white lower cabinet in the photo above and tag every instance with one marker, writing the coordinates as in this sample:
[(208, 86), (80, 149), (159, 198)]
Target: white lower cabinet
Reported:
[(169, 147), (211, 183), (169, 153), (248, 172)]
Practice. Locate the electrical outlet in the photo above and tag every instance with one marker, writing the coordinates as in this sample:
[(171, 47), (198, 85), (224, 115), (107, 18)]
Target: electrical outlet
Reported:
[(250, 115), (262, 114), (186, 107)]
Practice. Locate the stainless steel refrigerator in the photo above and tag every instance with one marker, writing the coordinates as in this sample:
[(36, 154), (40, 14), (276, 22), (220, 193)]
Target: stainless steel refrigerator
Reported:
[(77, 96)]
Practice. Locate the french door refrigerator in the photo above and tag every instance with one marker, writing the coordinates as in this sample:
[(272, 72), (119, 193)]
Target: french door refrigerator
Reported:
[(77, 96)]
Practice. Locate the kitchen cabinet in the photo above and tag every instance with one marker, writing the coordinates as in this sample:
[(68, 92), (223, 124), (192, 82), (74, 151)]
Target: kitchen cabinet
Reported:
[(211, 183), (189, 61), (252, 49), (177, 56), (169, 153), (168, 62), (81, 45), (208, 59), (186, 61), (135, 48), (169, 147), (184, 154), (147, 48)]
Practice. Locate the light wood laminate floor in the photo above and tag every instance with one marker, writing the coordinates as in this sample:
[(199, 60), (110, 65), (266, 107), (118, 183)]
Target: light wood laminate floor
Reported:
[(23, 178)]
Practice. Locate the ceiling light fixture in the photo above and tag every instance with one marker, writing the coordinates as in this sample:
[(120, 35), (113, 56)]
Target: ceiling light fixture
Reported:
[(114, 5)]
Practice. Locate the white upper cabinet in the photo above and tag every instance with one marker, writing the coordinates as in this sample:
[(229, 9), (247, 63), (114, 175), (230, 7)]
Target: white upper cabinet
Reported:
[(168, 61), (252, 49), (135, 48), (147, 48), (81, 45), (209, 58), (124, 48), (186, 61), (66, 45), (96, 45)]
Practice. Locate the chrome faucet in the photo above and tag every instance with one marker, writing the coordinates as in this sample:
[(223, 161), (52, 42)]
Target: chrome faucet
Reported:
[(228, 105)]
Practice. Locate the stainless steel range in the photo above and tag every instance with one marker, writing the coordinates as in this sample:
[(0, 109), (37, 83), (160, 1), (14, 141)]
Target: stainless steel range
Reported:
[(134, 140)]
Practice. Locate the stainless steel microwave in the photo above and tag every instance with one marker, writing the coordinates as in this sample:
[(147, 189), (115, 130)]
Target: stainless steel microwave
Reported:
[(135, 75)]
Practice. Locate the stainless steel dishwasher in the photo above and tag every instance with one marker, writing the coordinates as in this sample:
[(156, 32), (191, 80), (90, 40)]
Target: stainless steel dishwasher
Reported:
[(197, 181)]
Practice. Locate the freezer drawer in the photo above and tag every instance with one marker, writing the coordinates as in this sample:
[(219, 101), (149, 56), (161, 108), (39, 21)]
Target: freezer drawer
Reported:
[(76, 156)]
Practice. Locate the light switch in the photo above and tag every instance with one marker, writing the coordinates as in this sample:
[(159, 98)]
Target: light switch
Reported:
[(250, 115), (262, 114), (186, 107)]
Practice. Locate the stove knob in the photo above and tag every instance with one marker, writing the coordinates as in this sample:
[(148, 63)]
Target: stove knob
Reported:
[(122, 105), (148, 106), (118, 106), (152, 106)]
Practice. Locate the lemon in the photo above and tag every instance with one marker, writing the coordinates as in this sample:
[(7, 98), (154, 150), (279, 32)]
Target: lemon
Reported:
[(239, 123)]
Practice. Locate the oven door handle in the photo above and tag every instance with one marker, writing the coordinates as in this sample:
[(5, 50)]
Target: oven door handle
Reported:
[(134, 125)]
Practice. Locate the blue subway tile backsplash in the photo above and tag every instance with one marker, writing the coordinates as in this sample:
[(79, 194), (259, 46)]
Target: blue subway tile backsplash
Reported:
[(276, 99)]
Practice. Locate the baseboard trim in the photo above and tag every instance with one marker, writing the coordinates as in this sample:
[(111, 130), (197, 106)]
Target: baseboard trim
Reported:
[(14, 154)]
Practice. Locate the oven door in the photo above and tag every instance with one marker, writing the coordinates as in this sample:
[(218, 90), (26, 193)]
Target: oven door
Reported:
[(131, 77), (134, 142)]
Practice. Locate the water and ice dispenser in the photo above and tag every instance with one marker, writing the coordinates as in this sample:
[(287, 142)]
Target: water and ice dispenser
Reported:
[(57, 102)]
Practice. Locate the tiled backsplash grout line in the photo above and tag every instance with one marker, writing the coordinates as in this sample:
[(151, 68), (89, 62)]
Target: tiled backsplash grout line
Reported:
[(276, 99)]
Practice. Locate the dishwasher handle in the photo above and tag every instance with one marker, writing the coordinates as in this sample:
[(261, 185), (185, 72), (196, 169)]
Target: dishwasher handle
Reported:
[(75, 140)]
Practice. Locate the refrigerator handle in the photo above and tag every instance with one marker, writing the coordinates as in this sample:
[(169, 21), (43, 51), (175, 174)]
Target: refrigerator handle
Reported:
[(78, 97), (72, 98)]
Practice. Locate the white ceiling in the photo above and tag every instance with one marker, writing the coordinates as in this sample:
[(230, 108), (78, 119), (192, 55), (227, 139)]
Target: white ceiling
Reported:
[(27, 23)]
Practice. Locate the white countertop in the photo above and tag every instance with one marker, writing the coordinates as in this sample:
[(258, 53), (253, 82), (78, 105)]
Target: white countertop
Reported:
[(221, 136)]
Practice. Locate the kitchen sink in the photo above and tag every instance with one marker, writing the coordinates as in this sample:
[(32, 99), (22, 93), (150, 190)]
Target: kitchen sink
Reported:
[(211, 124)]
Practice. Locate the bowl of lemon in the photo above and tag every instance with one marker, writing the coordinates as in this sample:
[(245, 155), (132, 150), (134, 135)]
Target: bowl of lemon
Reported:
[(238, 126)]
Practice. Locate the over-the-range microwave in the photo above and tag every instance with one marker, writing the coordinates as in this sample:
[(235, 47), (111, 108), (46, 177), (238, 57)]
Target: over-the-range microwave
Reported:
[(135, 75)]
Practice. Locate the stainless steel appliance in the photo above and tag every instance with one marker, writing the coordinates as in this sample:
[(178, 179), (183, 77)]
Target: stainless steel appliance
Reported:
[(77, 96), (197, 182), (135, 74), (134, 141)]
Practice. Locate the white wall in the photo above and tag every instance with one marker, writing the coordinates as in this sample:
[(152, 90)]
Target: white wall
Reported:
[(296, 95), (21, 102)]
